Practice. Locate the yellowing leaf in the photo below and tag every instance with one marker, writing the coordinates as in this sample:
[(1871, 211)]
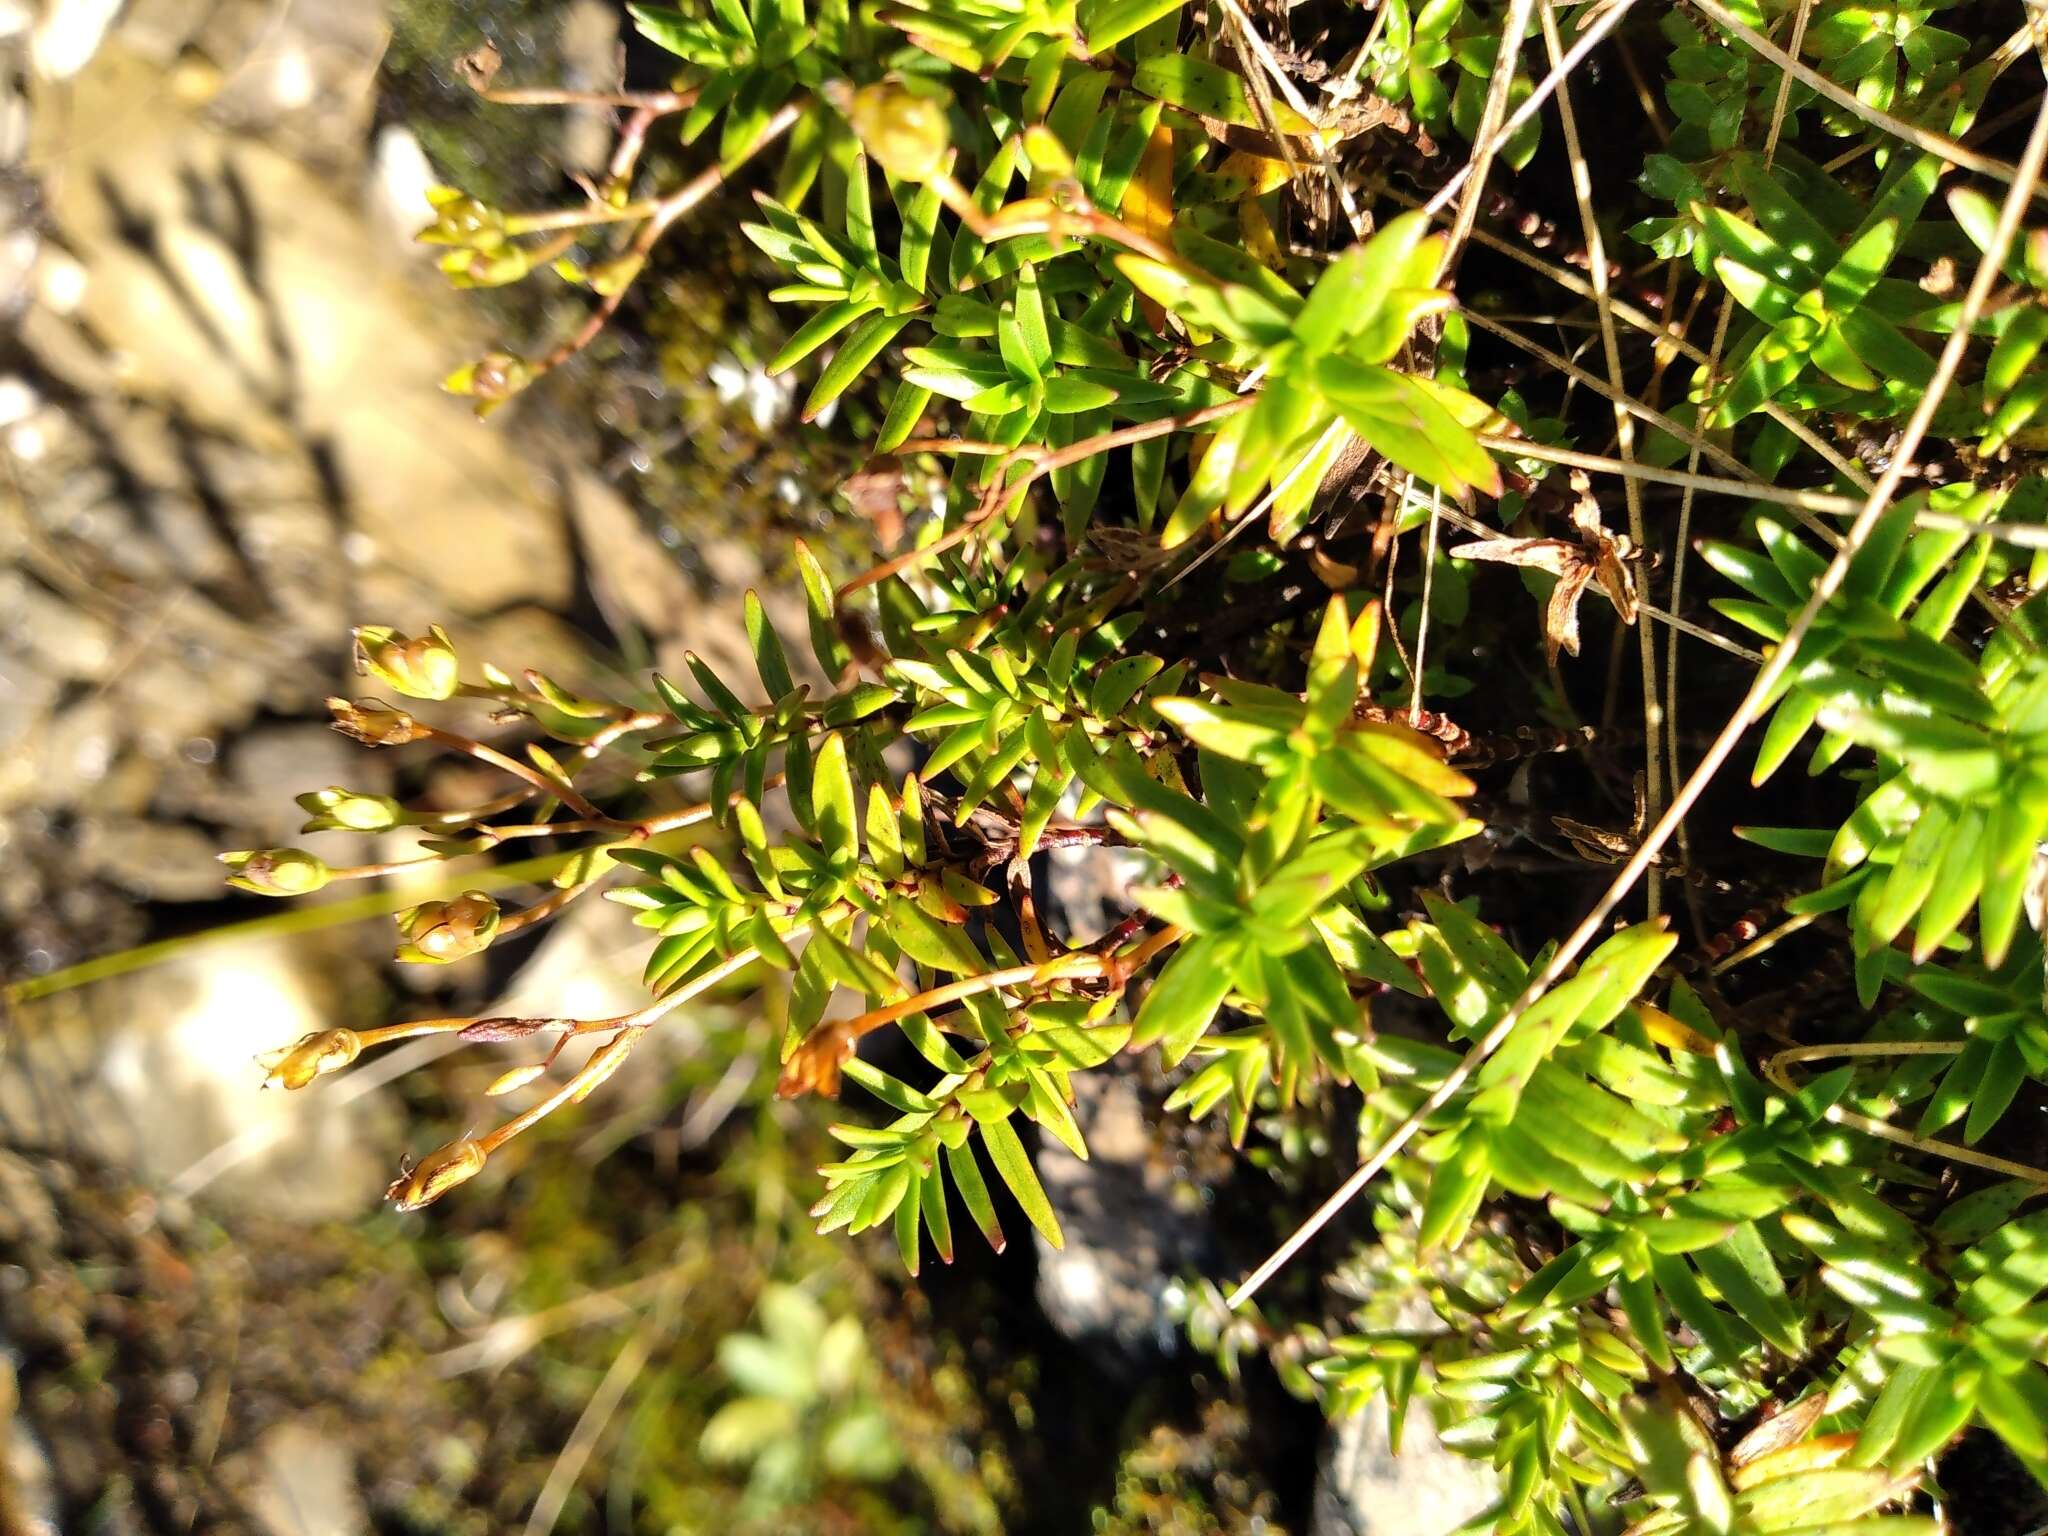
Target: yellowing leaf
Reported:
[(1148, 208), (1261, 174), (1256, 230)]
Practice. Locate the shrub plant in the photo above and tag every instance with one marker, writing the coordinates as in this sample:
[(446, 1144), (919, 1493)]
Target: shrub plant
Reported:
[(1719, 1207)]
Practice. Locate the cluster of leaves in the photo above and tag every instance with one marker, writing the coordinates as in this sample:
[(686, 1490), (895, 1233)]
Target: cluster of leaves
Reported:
[(806, 1409), (1055, 247)]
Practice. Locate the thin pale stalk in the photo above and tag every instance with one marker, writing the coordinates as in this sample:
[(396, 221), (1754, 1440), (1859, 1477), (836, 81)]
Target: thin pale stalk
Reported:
[(1325, 161), (1785, 83), (1490, 137), (276, 925), (1624, 430), (665, 212), (1623, 403), (1763, 942), (1043, 462), (545, 784), (1753, 490), (1588, 41), (1835, 1114), (1259, 508), (1436, 513)]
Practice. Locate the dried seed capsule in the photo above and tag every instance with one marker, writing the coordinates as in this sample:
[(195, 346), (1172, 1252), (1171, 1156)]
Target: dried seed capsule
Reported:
[(436, 932), (374, 723), (317, 1054), (516, 1077), (435, 1174)]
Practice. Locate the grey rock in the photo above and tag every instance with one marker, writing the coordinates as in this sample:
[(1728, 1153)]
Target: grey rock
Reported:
[(1364, 1489), (28, 1216), (50, 633), (590, 61), (267, 766), (156, 860), (28, 694), (400, 179), (69, 34), (28, 1494), (304, 1482), (1089, 890), (66, 761), (154, 1073), (1132, 1229)]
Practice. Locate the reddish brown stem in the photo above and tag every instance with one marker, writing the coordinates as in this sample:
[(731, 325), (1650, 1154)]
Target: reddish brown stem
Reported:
[(1044, 461), (560, 789), (665, 211)]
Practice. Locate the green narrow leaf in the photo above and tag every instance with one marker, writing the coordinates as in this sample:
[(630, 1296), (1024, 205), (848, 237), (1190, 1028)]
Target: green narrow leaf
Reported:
[(1456, 1189), (833, 657), (1105, 23), (907, 1213), (854, 354), (818, 330), (1183, 1000), (974, 1193), (1741, 1269), (931, 1196), (860, 219), (2003, 1073), (832, 802), (1007, 1152), (1726, 1338), (769, 659)]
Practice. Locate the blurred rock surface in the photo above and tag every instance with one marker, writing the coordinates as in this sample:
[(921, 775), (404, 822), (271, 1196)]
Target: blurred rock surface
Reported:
[(1364, 1489), (1133, 1230)]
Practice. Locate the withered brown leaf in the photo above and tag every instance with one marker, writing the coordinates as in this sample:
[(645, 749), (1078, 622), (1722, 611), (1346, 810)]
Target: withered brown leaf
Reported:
[(1597, 556), (874, 491)]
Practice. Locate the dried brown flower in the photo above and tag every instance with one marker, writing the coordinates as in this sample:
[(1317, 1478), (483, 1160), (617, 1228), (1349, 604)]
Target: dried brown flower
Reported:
[(315, 1055), (435, 1174), (374, 723), (1598, 555)]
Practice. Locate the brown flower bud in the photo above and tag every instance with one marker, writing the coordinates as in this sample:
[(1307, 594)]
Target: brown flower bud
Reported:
[(436, 932), (374, 723), (317, 1054), (499, 376), (420, 668), (814, 1066), (492, 379), (907, 135), (500, 1029), (435, 1174), (276, 871)]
